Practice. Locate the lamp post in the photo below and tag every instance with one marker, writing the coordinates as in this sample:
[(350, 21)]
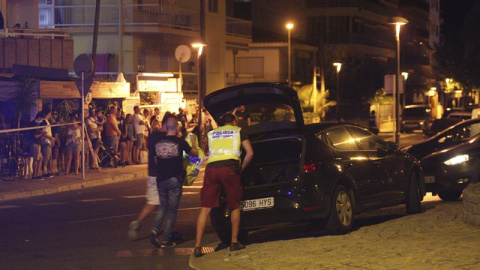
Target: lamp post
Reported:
[(404, 81), (199, 47), (398, 22), (289, 27), (339, 67), (201, 82)]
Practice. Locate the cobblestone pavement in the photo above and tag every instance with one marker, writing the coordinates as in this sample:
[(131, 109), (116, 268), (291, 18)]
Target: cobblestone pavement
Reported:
[(385, 239)]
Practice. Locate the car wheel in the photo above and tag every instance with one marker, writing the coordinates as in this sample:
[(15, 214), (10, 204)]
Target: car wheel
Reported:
[(414, 200), (451, 195), (223, 226), (340, 219)]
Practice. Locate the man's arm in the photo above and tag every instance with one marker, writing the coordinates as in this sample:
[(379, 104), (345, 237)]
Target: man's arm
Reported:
[(247, 146), (115, 126), (194, 151)]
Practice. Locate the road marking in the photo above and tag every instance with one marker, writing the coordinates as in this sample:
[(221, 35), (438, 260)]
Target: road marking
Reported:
[(9, 206), (96, 200), (160, 252), (50, 203), (122, 216), (134, 197), (193, 187), (188, 209)]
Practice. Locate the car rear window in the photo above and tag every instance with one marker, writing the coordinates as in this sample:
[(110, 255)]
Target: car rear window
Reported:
[(366, 140), (341, 139), (415, 112)]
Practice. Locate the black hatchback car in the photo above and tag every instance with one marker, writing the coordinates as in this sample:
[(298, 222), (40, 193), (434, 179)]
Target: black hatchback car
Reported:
[(450, 159), (328, 171)]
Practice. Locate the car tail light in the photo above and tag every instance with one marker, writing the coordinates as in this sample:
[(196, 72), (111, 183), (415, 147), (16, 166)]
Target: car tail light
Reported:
[(309, 167)]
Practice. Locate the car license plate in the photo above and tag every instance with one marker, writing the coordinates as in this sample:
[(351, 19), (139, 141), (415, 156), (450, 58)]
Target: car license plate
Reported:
[(256, 204), (429, 179)]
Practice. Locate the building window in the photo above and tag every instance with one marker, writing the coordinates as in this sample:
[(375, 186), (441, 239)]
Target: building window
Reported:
[(213, 5)]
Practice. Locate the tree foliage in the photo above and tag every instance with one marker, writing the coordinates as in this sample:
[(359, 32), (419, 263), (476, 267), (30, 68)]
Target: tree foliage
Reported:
[(25, 96), (458, 55)]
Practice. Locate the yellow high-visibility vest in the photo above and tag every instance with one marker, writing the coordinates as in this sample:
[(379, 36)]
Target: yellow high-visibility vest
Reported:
[(224, 143)]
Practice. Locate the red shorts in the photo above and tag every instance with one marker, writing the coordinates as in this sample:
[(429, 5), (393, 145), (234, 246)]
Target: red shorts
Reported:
[(217, 179)]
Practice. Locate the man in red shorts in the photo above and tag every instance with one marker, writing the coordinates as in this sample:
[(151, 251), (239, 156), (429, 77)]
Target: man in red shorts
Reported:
[(223, 172)]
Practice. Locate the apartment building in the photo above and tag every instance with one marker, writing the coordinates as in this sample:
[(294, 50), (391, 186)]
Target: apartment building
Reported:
[(142, 35)]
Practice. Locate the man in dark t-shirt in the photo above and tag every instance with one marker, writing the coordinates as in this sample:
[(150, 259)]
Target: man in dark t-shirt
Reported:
[(168, 152), (153, 200)]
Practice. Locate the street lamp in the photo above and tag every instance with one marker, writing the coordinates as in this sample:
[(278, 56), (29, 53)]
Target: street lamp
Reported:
[(398, 22), (289, 27), (339, 67), (200, 79), (404, 81), (199, 47)]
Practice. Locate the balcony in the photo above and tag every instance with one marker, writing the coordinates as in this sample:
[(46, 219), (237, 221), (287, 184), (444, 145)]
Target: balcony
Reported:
[(35, 47), (71, 16), (239, 28)]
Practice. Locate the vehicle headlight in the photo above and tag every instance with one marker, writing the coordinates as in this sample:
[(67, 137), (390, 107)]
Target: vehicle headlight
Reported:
[(457, 160)]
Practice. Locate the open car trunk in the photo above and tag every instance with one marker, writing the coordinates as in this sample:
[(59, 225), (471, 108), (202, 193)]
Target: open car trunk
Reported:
[(276, 160)]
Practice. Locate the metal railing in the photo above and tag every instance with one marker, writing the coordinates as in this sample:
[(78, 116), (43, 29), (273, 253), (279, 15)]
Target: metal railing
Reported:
[(133, 14), (238, 27), (35, 33)]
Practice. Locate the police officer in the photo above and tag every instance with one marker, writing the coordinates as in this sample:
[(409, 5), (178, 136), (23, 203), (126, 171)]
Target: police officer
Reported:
[(223, 172)]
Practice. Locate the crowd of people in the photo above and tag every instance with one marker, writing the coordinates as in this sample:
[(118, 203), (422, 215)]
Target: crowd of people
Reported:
[(57, 149)]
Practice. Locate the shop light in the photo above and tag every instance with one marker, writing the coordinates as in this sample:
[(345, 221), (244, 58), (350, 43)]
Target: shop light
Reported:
[(161, 75)]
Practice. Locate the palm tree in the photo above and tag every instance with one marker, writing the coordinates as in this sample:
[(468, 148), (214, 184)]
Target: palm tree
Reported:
[(65, 108), (307, 100), (24, 99)]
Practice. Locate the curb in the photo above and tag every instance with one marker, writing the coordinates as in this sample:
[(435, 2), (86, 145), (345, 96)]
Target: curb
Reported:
[(471, 204), (9, 196)]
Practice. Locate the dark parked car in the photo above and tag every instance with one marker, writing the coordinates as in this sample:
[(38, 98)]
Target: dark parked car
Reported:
[(327, 171), (450, 159), (447, 138), (449, 171), (440, 124), (415, 117)]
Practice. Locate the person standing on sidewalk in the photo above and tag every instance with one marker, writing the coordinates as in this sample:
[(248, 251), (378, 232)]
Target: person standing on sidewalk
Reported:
[(36, 148), (139, 126), (47, 144), (94, 130), (223, 172), (372, 123), (112, 132), (168, 152)]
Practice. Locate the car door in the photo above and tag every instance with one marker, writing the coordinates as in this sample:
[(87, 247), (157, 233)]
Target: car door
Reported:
[(386, 167), (353, 163)]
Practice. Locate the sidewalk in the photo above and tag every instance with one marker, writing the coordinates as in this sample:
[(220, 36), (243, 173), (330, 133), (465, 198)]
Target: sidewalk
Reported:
[(32, 188), (435, 239)]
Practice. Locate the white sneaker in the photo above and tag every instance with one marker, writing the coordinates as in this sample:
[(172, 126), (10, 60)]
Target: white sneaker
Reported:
[(133, 231)]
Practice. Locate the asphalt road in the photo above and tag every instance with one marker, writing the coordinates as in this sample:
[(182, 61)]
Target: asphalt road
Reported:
[(86, 229)]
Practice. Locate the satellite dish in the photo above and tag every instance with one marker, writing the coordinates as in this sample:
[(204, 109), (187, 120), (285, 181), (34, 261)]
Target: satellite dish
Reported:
[(183, 53), (83, 63)]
